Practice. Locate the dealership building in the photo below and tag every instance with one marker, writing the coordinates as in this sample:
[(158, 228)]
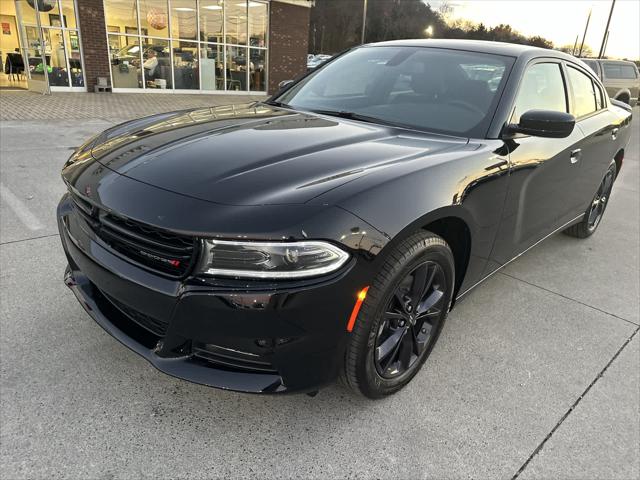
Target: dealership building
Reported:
[(152, 46)]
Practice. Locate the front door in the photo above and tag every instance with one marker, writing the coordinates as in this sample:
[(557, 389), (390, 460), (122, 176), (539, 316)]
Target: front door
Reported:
[(544, 171)]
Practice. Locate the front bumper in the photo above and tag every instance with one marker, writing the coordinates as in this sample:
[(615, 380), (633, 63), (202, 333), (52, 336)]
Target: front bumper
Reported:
[(245, 339)]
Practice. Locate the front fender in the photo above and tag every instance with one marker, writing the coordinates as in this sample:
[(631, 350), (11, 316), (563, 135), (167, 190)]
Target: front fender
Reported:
[(469, 183)]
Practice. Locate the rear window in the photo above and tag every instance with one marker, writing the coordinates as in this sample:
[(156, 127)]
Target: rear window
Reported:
[(619, 70)]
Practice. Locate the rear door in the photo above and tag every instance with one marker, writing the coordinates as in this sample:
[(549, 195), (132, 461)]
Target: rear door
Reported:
[(589, 105), (543, 170)]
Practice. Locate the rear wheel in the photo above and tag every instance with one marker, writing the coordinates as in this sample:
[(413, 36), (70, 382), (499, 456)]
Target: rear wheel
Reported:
[(402, 316), (595, 212)]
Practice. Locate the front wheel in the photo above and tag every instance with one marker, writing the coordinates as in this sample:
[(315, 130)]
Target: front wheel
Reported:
[(595, 212), (402, 316)]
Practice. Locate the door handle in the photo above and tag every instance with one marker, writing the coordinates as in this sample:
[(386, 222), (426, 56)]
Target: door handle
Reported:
[(614, 133), (576, 155)]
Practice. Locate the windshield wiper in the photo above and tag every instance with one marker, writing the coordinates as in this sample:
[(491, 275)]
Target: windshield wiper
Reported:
[(357, 116), (275, 103)]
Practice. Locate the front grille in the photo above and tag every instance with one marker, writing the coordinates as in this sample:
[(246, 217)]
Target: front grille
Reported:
[(222, 357), (153, 248), (154, 325)]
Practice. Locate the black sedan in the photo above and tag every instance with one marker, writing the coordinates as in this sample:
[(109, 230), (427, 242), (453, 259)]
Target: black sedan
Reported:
[(327, 232)]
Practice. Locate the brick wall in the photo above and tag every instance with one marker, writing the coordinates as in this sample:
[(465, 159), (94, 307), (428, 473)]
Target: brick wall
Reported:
[(94, 41), (288, 42)]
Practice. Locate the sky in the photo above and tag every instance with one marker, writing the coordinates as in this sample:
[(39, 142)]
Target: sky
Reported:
[(559, 20)]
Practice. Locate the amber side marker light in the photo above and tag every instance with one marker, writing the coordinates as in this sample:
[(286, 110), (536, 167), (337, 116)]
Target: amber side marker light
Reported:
[(362, 294)]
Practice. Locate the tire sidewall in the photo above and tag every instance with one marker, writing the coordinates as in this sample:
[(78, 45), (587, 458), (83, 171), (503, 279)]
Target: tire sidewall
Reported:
[(370, 379)]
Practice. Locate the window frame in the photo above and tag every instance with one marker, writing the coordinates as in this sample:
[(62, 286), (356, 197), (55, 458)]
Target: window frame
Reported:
[(594, 82), (537, 61)]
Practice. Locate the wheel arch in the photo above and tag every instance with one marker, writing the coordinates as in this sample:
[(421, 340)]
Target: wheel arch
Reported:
[(623, 93), (455, 226)]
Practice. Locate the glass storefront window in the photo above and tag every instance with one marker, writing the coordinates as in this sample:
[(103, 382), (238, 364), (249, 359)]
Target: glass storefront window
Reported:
[(211, 20), (49, 13), (156, 63), (257, 24), (154, 18), (212, 66), (34, 53), (125, 61), (56, 57), (26, 12), (236, 68), (184, 21), (185, 66), (75, 58), (69, 13), (236, 22), (189, 44), (257, 70), (121, 16)]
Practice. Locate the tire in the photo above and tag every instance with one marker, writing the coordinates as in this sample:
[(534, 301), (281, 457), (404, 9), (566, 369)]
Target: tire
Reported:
[(589, 225), (423, 255), (624, 98)]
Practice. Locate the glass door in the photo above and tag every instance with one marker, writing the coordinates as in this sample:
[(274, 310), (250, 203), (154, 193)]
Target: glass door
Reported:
[(33, 45), (50, 34)]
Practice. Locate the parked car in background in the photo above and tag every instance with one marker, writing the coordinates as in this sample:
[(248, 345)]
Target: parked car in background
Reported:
[(274, 246), (620, 78)]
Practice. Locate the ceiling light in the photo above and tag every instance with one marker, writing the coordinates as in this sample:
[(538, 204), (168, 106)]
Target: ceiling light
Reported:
[(184, 9), (213, 7)]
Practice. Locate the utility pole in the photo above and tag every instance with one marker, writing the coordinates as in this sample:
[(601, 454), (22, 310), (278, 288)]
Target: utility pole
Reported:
[(575, 44), (606, 30), (606, 40), (585, 34), (364, 20)]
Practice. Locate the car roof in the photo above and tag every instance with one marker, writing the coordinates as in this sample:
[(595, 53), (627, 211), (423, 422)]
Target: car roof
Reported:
[(483, 46)]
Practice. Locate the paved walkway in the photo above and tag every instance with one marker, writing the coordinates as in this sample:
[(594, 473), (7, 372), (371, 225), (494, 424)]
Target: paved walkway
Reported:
[(16, 105)]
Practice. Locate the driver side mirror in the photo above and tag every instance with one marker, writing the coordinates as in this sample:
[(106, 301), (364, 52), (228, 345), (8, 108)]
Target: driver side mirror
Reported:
[(544, 123)]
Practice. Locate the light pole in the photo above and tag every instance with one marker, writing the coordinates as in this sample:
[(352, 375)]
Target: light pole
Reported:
[(364, 20)]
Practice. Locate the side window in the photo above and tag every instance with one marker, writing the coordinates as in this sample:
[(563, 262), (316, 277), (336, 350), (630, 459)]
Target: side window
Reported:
[(584, 93), (619, 71), (542, 88)]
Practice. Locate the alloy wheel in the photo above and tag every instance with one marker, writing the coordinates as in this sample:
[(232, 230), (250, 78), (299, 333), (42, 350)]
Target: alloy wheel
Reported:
[(600, 201), (410, 320)]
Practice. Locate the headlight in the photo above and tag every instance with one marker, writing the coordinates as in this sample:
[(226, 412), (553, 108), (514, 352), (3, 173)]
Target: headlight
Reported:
[(270, 259)]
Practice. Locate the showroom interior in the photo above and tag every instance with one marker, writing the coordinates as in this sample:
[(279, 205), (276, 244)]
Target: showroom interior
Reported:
[(152, 46)]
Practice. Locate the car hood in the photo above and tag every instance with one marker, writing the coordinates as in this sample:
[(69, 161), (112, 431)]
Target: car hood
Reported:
[(256, 154)]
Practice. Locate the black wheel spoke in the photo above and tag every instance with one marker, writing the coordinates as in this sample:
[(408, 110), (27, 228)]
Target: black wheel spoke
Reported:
[(389, 345), (607, 183), (409, 320), (420, 284), (393, 316), (431, 301), (406, 351)]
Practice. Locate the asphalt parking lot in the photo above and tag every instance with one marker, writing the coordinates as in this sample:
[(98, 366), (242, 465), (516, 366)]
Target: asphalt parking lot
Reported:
[(536, 373)]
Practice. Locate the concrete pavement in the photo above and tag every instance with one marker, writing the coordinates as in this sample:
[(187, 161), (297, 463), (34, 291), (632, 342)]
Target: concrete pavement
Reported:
[(535, 375)]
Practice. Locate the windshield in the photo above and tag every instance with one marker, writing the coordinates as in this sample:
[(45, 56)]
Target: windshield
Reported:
[(444, 91)]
